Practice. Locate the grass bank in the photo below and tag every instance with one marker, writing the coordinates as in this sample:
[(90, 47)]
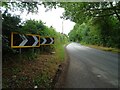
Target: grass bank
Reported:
[(114, 50)]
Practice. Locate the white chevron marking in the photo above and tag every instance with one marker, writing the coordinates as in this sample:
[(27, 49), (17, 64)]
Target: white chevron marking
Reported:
[(36, 41), (44, 41), (51, 41), (24, 40)]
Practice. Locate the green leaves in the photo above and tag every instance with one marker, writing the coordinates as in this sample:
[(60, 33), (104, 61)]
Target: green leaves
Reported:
[(100, 31), (21, 6), (80, 12)]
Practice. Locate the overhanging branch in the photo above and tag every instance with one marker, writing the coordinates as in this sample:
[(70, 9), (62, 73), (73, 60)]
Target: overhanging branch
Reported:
[(111, 8), (105, 15)]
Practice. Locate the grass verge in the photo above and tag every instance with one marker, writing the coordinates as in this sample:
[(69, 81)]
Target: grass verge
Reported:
[(114, 50)]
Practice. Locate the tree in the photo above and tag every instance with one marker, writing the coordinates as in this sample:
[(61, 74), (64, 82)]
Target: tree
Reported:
[(28, 6), (80, 12), (9, 24), (21, 6), (75, 11)]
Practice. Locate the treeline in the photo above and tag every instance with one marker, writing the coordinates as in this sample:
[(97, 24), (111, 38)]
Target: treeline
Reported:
[(13, 23), (96, 23), (98, 31)]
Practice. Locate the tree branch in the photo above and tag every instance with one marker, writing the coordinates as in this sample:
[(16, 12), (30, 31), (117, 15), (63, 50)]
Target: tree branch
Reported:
[(111, 8), (105, 15), (114, 9)]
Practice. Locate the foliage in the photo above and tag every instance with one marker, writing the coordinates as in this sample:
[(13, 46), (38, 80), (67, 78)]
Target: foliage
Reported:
[(80, 12), (13, 24), (18, 77), (21, 6), (42, 80), (75, 11), (9, 24), (102, 31), (96, 22), (30, 7)]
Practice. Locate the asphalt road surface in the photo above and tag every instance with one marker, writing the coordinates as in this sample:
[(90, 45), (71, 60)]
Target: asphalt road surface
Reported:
[(91, 68)]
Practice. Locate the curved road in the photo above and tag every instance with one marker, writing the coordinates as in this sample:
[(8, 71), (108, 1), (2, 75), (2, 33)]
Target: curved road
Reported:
[(91, 68)]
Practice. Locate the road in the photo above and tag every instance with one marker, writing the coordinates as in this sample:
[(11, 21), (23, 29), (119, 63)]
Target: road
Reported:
[(91, 68)]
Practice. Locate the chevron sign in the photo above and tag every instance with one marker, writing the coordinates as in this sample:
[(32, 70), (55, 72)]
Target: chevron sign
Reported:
[(46, 40), (21, 40)]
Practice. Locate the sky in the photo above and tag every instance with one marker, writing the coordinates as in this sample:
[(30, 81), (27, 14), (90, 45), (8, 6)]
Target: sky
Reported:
[(51, 18)]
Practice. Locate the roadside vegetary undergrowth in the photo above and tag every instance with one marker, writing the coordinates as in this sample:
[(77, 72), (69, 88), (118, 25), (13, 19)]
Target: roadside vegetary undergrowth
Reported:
[(28, 72), (33, 69)]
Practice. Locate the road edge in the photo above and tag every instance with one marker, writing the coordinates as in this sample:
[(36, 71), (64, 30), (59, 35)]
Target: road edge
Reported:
[(59, 80)]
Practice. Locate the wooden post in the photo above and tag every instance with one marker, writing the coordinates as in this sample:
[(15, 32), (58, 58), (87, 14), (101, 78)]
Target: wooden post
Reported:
[(33, 50), (20, 50), (20, 56), (42, 48)]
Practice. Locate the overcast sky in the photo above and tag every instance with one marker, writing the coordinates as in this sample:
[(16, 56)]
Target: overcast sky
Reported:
[(51, 18)]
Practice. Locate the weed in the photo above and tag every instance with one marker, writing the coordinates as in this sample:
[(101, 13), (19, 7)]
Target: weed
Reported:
[(42, 80), (16, 70), (23, 78)]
